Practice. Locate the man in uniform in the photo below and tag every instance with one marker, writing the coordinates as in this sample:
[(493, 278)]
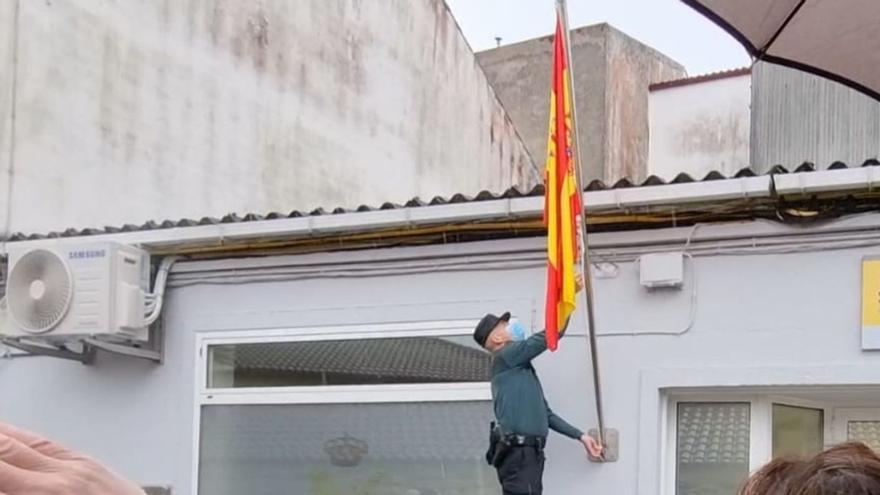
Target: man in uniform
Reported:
[(523, 416)]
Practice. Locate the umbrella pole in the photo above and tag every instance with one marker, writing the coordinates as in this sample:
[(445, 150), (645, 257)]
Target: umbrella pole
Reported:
[(588, 283)]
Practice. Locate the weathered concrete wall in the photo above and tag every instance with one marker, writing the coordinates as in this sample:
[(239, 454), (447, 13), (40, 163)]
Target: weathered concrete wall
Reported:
[(520, 73), (190, 108), (7, 78), (612, 74), (700, 127), (798, 117), (632, 68)]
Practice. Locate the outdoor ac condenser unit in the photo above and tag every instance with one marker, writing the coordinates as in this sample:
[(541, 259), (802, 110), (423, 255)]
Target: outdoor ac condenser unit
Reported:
[(77, 291)]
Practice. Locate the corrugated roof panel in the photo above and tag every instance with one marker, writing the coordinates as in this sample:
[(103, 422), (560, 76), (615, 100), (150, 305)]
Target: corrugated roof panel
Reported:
[(459, 198)]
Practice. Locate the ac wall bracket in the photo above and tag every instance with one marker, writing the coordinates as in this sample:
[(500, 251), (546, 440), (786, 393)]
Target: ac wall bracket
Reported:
[(152, 350), (84, 356), (125, 350)]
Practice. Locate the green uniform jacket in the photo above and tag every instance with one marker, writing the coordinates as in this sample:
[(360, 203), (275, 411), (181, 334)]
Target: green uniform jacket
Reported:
[(520, 406)]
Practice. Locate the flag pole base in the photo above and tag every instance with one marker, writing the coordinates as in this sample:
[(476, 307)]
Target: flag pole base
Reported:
[(612, 445)]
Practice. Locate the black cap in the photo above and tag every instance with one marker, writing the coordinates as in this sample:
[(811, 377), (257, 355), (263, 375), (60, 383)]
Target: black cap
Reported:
[(486, 325)]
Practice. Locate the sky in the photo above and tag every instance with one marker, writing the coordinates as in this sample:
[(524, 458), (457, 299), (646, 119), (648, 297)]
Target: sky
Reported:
[(669, 26)]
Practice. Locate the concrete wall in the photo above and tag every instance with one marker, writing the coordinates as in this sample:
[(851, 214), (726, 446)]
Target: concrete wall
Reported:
[(798, 117), (794, 321), (700, 127), (520, 74), (631, 68), (612, 74), (171, 109), (8, 35)]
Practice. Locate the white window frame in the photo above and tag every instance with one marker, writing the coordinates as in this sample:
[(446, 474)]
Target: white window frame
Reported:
[(671, 439), (760, 426), (326, 394), (842, 417), (783, 400)]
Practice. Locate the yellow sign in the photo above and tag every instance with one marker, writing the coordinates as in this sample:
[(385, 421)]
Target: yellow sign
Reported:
[(871, 303)]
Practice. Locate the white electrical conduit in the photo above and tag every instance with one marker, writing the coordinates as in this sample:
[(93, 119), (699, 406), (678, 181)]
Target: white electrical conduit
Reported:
[(692, 313), (689, 324), (524, 259), (363, 267), (155, 298), (515, 260), (290, 275), (792, 241), (534, 258)]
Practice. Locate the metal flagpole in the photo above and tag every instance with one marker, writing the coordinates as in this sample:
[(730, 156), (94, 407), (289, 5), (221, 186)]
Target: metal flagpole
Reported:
[(588, 282)]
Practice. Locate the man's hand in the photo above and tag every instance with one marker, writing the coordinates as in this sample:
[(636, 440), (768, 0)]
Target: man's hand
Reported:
[(578, 282), (30, 464), (594, 448)]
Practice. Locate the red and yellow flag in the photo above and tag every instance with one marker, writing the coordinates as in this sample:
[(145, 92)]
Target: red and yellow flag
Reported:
[(562, 200)]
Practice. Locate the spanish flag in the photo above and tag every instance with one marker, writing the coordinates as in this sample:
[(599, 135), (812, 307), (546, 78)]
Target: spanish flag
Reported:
[(562, 200)]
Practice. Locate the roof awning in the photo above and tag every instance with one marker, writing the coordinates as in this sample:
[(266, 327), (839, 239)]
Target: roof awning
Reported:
[(834, 39)]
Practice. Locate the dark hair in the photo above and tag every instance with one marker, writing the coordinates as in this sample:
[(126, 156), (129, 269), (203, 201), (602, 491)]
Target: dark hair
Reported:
[(772, 479), (847, 469)]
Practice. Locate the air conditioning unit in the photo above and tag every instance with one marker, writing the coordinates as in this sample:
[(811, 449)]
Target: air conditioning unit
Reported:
[(70, 292)]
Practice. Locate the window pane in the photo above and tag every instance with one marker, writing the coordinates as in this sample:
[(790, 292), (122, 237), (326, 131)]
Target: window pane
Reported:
[(712, 454), (348, 362), (797, 431), (344, 449), (867, 432)]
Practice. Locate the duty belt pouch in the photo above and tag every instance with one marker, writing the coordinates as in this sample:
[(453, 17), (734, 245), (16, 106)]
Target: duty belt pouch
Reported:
[(498, 447), (494, 438)]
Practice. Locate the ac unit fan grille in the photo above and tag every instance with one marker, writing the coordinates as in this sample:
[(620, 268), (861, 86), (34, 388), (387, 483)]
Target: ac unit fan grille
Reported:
[(40, 287)]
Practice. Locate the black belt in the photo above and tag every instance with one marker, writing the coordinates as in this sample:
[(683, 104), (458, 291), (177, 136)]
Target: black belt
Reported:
[(526, 441)]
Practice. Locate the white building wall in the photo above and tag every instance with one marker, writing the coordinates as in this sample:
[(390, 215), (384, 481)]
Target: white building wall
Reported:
[(700, 127), (134, 111), (760, 320)]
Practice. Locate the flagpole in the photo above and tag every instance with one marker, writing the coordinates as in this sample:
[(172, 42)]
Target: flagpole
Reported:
[(588, 282)]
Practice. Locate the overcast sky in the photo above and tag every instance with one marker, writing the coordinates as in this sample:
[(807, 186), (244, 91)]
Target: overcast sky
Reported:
[(667, 25)]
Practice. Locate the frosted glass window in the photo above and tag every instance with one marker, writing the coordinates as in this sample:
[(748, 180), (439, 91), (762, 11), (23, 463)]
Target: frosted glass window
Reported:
[(712, 447), (345, 449), (797, 431), (867, 432), (348, 362)]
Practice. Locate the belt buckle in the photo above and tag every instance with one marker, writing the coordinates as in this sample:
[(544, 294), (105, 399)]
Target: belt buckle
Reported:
[(521, 439)]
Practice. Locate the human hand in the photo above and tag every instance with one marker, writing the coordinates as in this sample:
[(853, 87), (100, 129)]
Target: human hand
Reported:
[(578, 282), (31, 465), (594, 448)]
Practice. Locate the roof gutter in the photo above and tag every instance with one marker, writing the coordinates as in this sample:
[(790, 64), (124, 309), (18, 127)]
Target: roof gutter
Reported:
[(845, 179), (487, 210), (621, 199)]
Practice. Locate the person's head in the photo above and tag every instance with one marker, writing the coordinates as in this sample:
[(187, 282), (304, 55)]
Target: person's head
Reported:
[(847, 469), (772, 479), (492, 332)]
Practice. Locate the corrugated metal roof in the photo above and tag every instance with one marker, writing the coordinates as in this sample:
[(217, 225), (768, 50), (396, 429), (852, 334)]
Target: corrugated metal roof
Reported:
[(417, 202), (837, 124)]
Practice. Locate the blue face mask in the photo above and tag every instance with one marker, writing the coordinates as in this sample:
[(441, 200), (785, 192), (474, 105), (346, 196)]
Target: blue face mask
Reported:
[(517, 330)]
